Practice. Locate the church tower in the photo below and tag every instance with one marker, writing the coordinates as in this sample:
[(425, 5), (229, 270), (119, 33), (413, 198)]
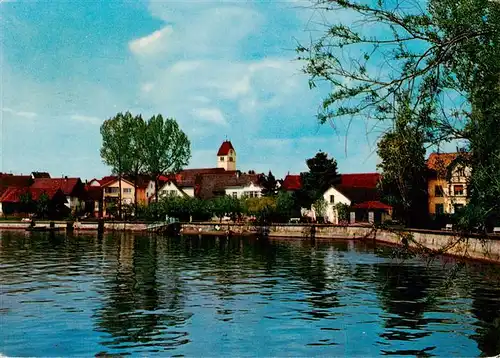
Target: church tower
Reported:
[(226, 156)]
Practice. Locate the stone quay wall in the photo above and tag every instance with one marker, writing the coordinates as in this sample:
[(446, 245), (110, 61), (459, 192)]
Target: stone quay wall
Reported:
[(474, 247)]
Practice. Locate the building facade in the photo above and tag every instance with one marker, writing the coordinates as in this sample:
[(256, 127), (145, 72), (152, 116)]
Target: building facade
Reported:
[(446, 184)]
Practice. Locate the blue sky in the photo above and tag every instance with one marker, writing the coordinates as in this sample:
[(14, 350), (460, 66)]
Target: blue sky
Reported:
[(224, 68)]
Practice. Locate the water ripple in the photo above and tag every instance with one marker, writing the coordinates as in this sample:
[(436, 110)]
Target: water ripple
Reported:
[(133, 295)]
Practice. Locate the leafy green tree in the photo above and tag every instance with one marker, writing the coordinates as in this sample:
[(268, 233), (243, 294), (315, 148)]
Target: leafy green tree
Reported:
[(227, 206), (342, 212), (137, 136), (269, 184), (42, 205), (321, 176), (320, 206), (404, 170), (167, 148), (285, 206), (116, 149), (439, 50)]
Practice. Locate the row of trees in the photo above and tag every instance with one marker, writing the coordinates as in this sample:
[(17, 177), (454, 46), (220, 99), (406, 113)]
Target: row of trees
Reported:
[(440, 82), (133, 146), (277, 208)]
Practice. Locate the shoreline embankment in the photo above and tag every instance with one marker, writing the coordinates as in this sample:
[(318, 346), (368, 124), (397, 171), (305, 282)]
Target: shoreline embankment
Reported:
[(474, 247)]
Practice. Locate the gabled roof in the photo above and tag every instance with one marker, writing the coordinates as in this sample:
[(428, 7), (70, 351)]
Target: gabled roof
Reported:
[(113, 179), (107, 179), (292, 182), (16, 181), (440, 161), (225, 147), (13, 195), (164, 183), (67, 185)]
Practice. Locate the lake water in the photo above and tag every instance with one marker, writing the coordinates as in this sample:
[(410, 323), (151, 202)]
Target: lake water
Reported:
[(84, 295)]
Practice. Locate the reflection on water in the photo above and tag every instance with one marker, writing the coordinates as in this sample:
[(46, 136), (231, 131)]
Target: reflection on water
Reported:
[(85, 295)]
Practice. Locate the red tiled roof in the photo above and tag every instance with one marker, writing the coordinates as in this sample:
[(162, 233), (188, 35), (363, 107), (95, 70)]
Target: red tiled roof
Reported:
[(16, 181), (187, 177), (372, 205), (358, 194), (67, 185), (13, 195), (7, 180), (364, 180), (292, 182), (439, 161), (225, 147), (107, 179)]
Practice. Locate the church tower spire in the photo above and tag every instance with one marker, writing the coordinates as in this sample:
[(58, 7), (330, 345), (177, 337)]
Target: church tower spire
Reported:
[(226, 156)]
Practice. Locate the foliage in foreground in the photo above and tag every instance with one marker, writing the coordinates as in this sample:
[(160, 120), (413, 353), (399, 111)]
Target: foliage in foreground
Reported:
[(443, 53)]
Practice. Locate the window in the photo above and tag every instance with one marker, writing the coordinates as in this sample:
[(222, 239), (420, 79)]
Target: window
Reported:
[(230, 159), (439, 209), (163, 192), (332, 199), (127, 190), (111, 190), (172, 192), (460, 171), (438, 190), (458, 190), (221, 159), (235, 194)]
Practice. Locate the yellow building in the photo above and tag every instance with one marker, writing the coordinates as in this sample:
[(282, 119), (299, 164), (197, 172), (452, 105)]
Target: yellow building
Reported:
[(111, 190), (447, 195)]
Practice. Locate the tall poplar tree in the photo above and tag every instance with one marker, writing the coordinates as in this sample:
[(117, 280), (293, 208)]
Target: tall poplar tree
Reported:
[(167, 148)]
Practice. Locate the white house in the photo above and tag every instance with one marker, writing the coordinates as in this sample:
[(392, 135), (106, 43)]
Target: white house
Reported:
[(168, 188), (248, 189), (333, 197)]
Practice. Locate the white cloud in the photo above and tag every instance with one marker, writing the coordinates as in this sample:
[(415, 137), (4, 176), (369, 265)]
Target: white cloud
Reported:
[(211, 115), (151, 44), (24, 114)]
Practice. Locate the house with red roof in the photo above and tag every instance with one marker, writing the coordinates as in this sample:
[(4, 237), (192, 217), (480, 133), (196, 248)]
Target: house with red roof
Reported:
[(22, 200), (291, 183), (447, 182), (358, 191), (72, 188)]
